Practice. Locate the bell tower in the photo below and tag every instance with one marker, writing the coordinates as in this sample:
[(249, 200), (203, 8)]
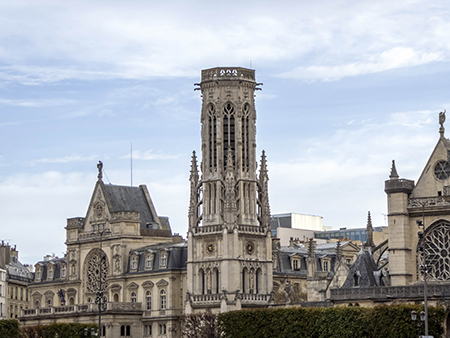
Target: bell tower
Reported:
[(229, 240)]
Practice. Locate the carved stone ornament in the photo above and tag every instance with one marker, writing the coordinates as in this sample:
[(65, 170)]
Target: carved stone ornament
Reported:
[(437, 251), (96, 271)]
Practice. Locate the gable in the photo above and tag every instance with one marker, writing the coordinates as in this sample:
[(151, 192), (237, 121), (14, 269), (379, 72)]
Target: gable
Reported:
[(429, 184)]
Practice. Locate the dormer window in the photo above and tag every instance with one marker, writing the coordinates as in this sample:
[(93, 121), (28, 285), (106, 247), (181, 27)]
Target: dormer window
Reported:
[(163, 262), (63, 272), (296, 264), (356, 280), (149, 261), (50, 274), (326, 266), (133, 263), (38, 275)]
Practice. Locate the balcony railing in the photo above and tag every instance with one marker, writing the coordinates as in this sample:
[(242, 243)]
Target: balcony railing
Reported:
[(208, 229), (389, 292), (421, 202), (81, 308), (246, 298), (227, 72)]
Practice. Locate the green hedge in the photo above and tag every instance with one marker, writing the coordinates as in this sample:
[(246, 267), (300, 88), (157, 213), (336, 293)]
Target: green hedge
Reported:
[(9, 328), (335, 322), (60, 330)]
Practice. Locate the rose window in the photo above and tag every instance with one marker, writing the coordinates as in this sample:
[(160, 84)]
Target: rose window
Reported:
[(97, 270), (437, 251)]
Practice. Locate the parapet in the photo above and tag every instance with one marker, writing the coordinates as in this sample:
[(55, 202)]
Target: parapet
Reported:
[(402, 185)]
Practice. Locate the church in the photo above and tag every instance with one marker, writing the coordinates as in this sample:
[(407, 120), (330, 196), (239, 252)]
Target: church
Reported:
[(123, 260)]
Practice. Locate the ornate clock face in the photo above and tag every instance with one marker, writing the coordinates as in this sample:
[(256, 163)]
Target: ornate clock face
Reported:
[(210, 248), (442, 170), (250, 247)]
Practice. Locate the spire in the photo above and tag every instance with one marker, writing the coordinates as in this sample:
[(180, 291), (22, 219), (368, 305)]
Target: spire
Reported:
[(441, 122), (338, 251), (369, 230), (194, 168), (100, 168), (194, 198), (393, 175), (263, 195)]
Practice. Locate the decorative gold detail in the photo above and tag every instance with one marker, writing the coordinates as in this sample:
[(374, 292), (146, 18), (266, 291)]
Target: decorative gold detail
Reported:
[(250, 247), (210, 248)]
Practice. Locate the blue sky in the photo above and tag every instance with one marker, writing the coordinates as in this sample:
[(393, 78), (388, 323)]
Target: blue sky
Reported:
[(348, 86)]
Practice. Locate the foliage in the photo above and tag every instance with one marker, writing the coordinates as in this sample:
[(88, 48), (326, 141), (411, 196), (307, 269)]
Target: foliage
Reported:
[(59, 330), (9, 328), (335, 322), (201, 325)]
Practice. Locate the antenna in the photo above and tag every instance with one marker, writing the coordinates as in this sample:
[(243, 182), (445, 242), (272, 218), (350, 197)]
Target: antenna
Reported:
[(131, 162)]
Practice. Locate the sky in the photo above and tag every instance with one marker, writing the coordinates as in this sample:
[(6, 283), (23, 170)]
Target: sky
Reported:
[(348, 86)]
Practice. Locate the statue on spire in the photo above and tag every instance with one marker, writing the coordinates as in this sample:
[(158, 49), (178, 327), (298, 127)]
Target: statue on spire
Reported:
[(100, 168), (441, 122)]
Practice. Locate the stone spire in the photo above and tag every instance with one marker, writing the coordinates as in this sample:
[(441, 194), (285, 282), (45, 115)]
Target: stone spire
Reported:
[(193, 204), (369, 229), (393, 175), (264, 192), (338, 251)]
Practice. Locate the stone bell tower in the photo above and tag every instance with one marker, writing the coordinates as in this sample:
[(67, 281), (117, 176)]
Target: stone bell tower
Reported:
[(229, 240)]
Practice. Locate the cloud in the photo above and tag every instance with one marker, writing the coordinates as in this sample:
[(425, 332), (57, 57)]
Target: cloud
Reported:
[(107, 40), (394, 58), (66, 159), (36, 103), (150, 155)]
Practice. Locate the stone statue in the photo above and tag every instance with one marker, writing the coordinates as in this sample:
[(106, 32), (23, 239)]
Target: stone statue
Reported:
[(100, 168), (442, 118)]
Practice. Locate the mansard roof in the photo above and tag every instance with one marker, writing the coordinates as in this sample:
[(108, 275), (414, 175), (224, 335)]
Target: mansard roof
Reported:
[(176, 258), (17, 271)]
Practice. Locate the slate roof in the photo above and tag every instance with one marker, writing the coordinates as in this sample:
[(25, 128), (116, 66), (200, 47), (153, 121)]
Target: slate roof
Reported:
[(17, 271), (365, 268), (125, 198), (176, 260)]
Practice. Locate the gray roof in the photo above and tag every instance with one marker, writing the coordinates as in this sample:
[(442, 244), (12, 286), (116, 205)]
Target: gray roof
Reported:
[(17, 271), (124, 198), (365, 268)]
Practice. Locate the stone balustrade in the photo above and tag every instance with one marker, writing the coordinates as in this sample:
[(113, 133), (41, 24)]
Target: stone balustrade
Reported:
[(389, 292), (227, 72), (81, 308), (208, 229), (251, 229), (421, 202)]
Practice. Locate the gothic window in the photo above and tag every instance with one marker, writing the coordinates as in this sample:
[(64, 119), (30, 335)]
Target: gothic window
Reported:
[(212, 131), (96, 271), (148, 300), (163, 299), (436, 246), (162, 329), (133, 297), (228, 132), (245, 137), (202, 280), (244, 277)]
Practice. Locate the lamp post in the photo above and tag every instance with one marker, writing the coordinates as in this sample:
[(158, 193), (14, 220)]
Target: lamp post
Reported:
[(419, 323), (101, 300), (424, 270)]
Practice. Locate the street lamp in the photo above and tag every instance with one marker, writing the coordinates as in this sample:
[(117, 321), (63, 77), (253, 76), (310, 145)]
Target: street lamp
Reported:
[(419, 323), (101, 299), (423, 268)]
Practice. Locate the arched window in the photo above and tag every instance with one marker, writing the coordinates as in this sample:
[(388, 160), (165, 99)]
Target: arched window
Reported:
[(245, 137), (228, 132), (163, 299), (122, 331), (128, 330), (116, 297), (212, 134), (148, 300), (71, 301), (217, 280), (202, 281), (244, 273), (89, 300), (133, 297)]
